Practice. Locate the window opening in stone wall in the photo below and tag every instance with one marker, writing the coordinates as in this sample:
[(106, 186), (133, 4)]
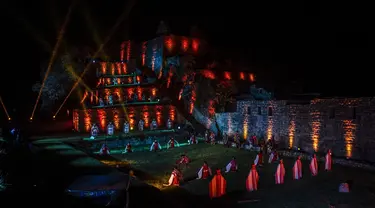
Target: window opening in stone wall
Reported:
[(354, 113), (332, 113), (270, 111), (259, 111), (248, 110)]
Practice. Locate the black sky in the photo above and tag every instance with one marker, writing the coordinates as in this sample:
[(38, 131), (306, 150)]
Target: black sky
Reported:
[(317, 45)]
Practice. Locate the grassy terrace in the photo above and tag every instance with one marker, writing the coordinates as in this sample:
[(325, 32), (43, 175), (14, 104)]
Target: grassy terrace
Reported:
[(154, 168)]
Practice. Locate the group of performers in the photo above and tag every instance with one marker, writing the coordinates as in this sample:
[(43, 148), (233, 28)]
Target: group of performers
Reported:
[(217, 186), (155, 146), (297, 167), (141, 123)]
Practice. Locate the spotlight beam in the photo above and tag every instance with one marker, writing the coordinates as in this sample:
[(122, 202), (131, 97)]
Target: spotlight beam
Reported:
[(54, 53), (113, 30), (5, 109)]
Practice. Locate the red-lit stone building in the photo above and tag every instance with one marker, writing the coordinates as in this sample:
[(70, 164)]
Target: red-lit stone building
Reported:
[(130, 89)]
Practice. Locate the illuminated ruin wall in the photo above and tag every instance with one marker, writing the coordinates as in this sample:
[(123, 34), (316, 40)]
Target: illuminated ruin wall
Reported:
[(83, 119), (344, 125)]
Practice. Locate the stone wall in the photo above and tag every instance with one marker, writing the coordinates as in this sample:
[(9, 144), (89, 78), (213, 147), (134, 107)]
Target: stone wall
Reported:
[(344, 125)]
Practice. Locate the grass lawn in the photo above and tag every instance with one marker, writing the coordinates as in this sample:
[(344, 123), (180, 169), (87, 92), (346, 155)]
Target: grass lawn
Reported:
[(319, 191)]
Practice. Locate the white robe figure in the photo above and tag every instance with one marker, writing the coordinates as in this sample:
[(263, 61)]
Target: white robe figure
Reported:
[(297, 169), (154, 125), (172, 143), (94, 131), (258, 159), (280, 173), (328, 162), (155, 146), (272, 157), (204, 172), (126, 127), (104, 150), (110, 129), (314, 166), (141, 124), (169, 124), (232, 166), (193, 140)]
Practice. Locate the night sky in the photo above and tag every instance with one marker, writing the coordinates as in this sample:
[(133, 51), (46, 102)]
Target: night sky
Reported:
[(308, 46)]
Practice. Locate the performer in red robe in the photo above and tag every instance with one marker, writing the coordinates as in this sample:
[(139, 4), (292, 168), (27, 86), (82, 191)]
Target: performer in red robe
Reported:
[(274, 156), (104, 150), (259, 159), (155, 146), (280, 173), (328, 163), (232, 166), (184, 160), (297, 169), (254, 140), (175, 178), (252, 179), (171, 143), (205, 171), (314, 166), (218, 185), (128, 148)]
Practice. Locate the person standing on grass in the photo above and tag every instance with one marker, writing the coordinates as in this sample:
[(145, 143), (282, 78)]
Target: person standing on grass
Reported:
[(218, 185), (328, 161), (280, 173)]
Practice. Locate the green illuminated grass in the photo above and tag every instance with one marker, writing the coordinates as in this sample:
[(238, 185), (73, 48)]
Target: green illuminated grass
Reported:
[(308, 192)]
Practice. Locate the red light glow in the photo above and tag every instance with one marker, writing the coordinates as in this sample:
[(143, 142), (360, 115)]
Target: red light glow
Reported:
[(116, 119), (169, 43), (113, 69), (146, 117), (128, 48), (130, 92), (195, 45), (242, 76), (102, 115), (87, 120), (118, 67), (144, 53), (227, 75), (104, 67), (122, 51), (185, 44), (158, 115), (172, 113), (208, 74), (252, 77)]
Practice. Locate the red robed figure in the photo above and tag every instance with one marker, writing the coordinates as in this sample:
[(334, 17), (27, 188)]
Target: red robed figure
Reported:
[(328, 164), (128, 148), (218, 185), (252, 179), (314, 166), (280, 173), (297, 169), (204, 172)]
